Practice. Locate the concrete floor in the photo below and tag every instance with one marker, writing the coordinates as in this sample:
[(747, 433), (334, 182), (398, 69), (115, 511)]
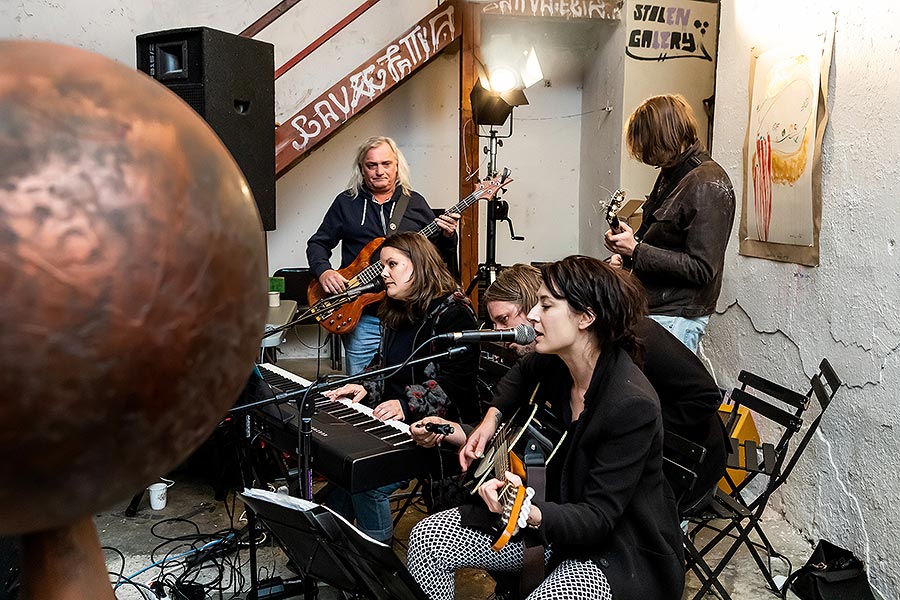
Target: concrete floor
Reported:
[(152, 535), (193, 518)]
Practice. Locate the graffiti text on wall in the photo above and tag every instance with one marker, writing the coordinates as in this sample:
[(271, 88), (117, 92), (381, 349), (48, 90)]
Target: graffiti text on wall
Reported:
[(567, 9), (333, 108), (663, 32)]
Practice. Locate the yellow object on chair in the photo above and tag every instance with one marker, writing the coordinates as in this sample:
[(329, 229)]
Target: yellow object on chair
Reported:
[(744, 429)]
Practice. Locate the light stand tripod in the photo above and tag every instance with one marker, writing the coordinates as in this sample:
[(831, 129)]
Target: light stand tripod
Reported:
[(497, 210)]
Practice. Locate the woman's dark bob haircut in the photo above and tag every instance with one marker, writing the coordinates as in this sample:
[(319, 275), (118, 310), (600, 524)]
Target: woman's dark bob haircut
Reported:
[(614, 298)]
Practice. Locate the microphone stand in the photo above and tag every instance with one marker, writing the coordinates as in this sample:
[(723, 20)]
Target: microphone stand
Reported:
[(334, 302)]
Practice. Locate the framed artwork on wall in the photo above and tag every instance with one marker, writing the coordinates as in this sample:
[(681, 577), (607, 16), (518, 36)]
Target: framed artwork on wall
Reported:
[(782, 201)]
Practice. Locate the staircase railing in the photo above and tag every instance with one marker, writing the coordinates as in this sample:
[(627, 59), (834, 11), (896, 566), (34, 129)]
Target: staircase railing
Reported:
[(356, 92), (318, 120)]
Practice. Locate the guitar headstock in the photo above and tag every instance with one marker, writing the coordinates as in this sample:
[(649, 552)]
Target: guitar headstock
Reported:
[(488, 188), (616, 201)]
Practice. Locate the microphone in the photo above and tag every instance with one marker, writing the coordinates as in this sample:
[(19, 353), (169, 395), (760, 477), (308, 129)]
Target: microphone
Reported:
[(442, 429), (374, 286), (521, 334)]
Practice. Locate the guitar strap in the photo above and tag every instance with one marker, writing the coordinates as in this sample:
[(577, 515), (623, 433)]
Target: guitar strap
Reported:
[(397, 214), (533, 557)]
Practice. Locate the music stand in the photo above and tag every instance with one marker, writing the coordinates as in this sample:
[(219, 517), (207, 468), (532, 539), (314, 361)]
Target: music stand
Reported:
[(325, 547)]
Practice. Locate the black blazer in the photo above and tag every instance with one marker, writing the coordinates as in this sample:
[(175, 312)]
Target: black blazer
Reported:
[(689, 399), (610, 502)]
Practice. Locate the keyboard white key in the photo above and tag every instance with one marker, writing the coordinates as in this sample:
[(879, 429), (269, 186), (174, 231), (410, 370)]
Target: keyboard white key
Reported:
[(400, 426), (401, 437), (286, 374)]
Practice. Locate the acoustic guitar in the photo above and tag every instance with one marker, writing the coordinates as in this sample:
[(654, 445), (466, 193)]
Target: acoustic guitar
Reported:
[(530, 424), (335, 313), (516, 499)]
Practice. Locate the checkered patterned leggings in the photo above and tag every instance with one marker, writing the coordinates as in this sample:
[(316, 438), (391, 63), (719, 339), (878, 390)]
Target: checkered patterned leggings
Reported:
[(439, 545)]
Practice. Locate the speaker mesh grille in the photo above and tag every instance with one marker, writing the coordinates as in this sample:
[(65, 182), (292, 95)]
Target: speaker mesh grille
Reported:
[(192, 94)]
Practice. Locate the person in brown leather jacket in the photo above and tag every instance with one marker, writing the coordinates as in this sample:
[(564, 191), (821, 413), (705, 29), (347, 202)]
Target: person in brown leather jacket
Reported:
[(679, 251)]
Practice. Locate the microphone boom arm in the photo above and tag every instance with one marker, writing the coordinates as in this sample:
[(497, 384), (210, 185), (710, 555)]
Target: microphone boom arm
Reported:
[(326, 306), (323, 386)]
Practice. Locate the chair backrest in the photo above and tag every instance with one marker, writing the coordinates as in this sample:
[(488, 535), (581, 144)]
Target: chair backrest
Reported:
[(790, 423), (779, 405), (681, 461), (296, 282), (776, 460), (791, 403), (823, 386)]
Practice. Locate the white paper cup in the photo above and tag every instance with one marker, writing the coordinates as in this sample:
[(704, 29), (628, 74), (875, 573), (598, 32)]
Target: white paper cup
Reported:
[(157, 493), (274, 299)]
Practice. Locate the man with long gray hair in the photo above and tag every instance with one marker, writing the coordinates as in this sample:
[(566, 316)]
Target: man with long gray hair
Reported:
[(379, 201)]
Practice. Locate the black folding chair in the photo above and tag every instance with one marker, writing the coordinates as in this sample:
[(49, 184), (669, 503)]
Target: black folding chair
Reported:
[(770, 464), (682, 460)]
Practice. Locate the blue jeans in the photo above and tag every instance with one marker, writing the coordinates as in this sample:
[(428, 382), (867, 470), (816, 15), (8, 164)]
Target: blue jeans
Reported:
[(686, 330), (372, 509), (361, 344)]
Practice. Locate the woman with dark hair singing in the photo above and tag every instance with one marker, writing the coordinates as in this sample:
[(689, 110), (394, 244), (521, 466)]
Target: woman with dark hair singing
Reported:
[(423, 300), (608, 523)]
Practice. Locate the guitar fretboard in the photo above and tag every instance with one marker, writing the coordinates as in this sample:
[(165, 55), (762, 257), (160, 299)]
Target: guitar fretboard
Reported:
[(501, 466), (485, 189)]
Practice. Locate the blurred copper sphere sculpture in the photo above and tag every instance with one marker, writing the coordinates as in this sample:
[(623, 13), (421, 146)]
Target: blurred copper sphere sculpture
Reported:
[(133, 270)]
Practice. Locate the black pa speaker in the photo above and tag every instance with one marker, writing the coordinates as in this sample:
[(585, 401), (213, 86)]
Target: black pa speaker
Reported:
[(230, 81)]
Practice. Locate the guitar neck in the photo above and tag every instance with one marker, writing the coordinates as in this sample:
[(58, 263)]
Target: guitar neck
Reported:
[(614, 224), (502, 464), (432, 228), (373, 271), (369, 274), (616, 200)]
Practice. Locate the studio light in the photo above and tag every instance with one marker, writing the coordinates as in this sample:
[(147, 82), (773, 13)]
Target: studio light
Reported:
[(503, 79), (493, 108), (500, 85)]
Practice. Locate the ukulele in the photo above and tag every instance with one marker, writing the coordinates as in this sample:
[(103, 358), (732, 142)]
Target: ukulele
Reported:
[(339, 316)]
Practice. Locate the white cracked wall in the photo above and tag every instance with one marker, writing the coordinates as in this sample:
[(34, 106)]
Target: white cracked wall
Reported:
[(780, 319)]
